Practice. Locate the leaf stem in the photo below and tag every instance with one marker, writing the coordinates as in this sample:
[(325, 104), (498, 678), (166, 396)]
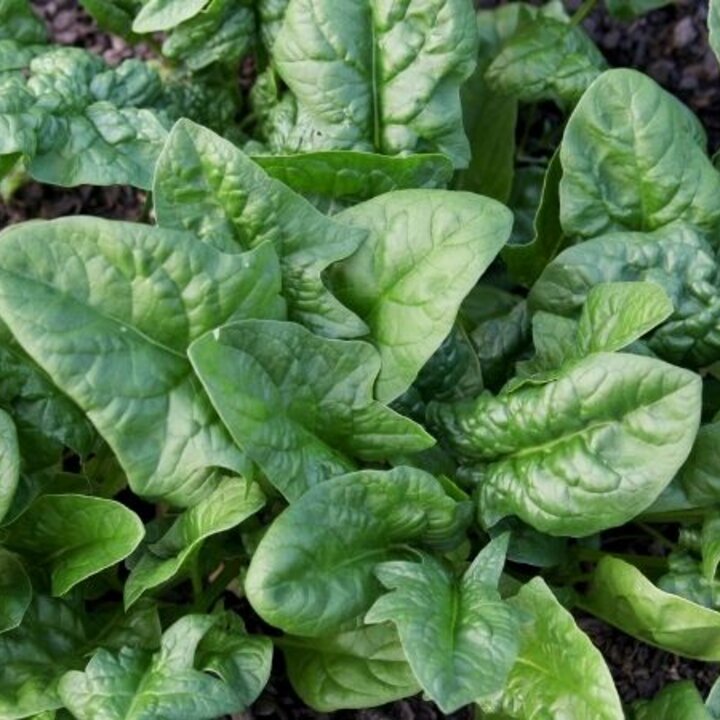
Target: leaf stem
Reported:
[(657, 535), (582, 12)]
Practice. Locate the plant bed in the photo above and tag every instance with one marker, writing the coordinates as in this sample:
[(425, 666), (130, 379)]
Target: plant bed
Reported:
[(393, 394)]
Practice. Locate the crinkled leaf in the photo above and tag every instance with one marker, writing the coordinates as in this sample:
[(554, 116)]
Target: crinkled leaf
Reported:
[(222, 32), (425, 251), (234, 500), (300, 405), (586, 451), (77, 121), (385, 78), (205, 184), (547, 59), (633, 158), (559, 672), (677, 258), (348, 177), (15, 591), (700, 476), (149, 294), (133, 684), (461, 639), (76, 536), (271, 13), (34, 656), (159, 15), (19, 23), (622, 596), (685, 578), (351, 670), (313, 570), (9, 463)]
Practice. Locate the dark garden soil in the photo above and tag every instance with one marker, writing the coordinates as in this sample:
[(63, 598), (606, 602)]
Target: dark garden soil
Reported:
[(671, 46)]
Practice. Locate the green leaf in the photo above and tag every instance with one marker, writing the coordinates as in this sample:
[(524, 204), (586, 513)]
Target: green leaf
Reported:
[(712, 702), (300, 405), (630, 9), (622, 596), (349, 177), (710, 546), (15, 591), (159, 15), (676, 701), (77, 536), (223, 32), (460, 638), (272, 13), (587, 450), (19, 23), (234, 500), (385, 79), (115, 16), (151, 292), (352, 670), (34, 656), (192, 192), (559, 672), (133, 684), (700, 476), (9, 463), (633, 158), (686, 579), (714, 26), (677, 258), (77, 121), (313, 570), (546, 59), (425, 251), (616, 314)]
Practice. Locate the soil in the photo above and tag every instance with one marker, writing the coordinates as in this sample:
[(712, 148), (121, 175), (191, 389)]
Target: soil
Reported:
[(670, 45)]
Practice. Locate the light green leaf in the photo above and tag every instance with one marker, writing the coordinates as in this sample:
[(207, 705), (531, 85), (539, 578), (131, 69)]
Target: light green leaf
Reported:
[(686, 579), (77, 121), (587, 450), (559, 672), (616, 314), (700, 475), (9, 463), (222, 32), (630, 9), (151, 292), (384, 78), (633, 158), (272, 13), (710, 547), (425, 251), (34, 656), (313, 570), (350, 177), (622, 596), (677, 258), (714, 26), (133, 684), (352, 670), (15, 591), (205, 184), (546, 59), (77, 536), (234, 500), (300, 405), (676, 701), (159, 15), (460, 638)]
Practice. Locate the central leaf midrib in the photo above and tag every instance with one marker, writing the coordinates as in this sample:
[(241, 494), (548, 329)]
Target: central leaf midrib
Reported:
[(375, 84)]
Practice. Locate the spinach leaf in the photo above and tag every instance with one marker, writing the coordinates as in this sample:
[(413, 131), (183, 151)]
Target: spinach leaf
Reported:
[(676, 701), (159, 15), (15, 591)]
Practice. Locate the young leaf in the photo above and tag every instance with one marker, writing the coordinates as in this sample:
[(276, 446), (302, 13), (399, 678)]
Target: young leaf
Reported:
[(234, 500), (461, 639), (676, 701), (191, 191), (18, 22), (159, 15), (115, 16), (587, 450), (77, 536), (383, 79), (616, 314), (714, 26), (710, 547), (15, 591), (677, 258), (425, 251), (633, 158), (300, 405), (631, 9), (622, 596), (133, 684), (545, 682), (313, 570), (700, 476), (547, 59), (351, 670), (151, 292), (9, 463)]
